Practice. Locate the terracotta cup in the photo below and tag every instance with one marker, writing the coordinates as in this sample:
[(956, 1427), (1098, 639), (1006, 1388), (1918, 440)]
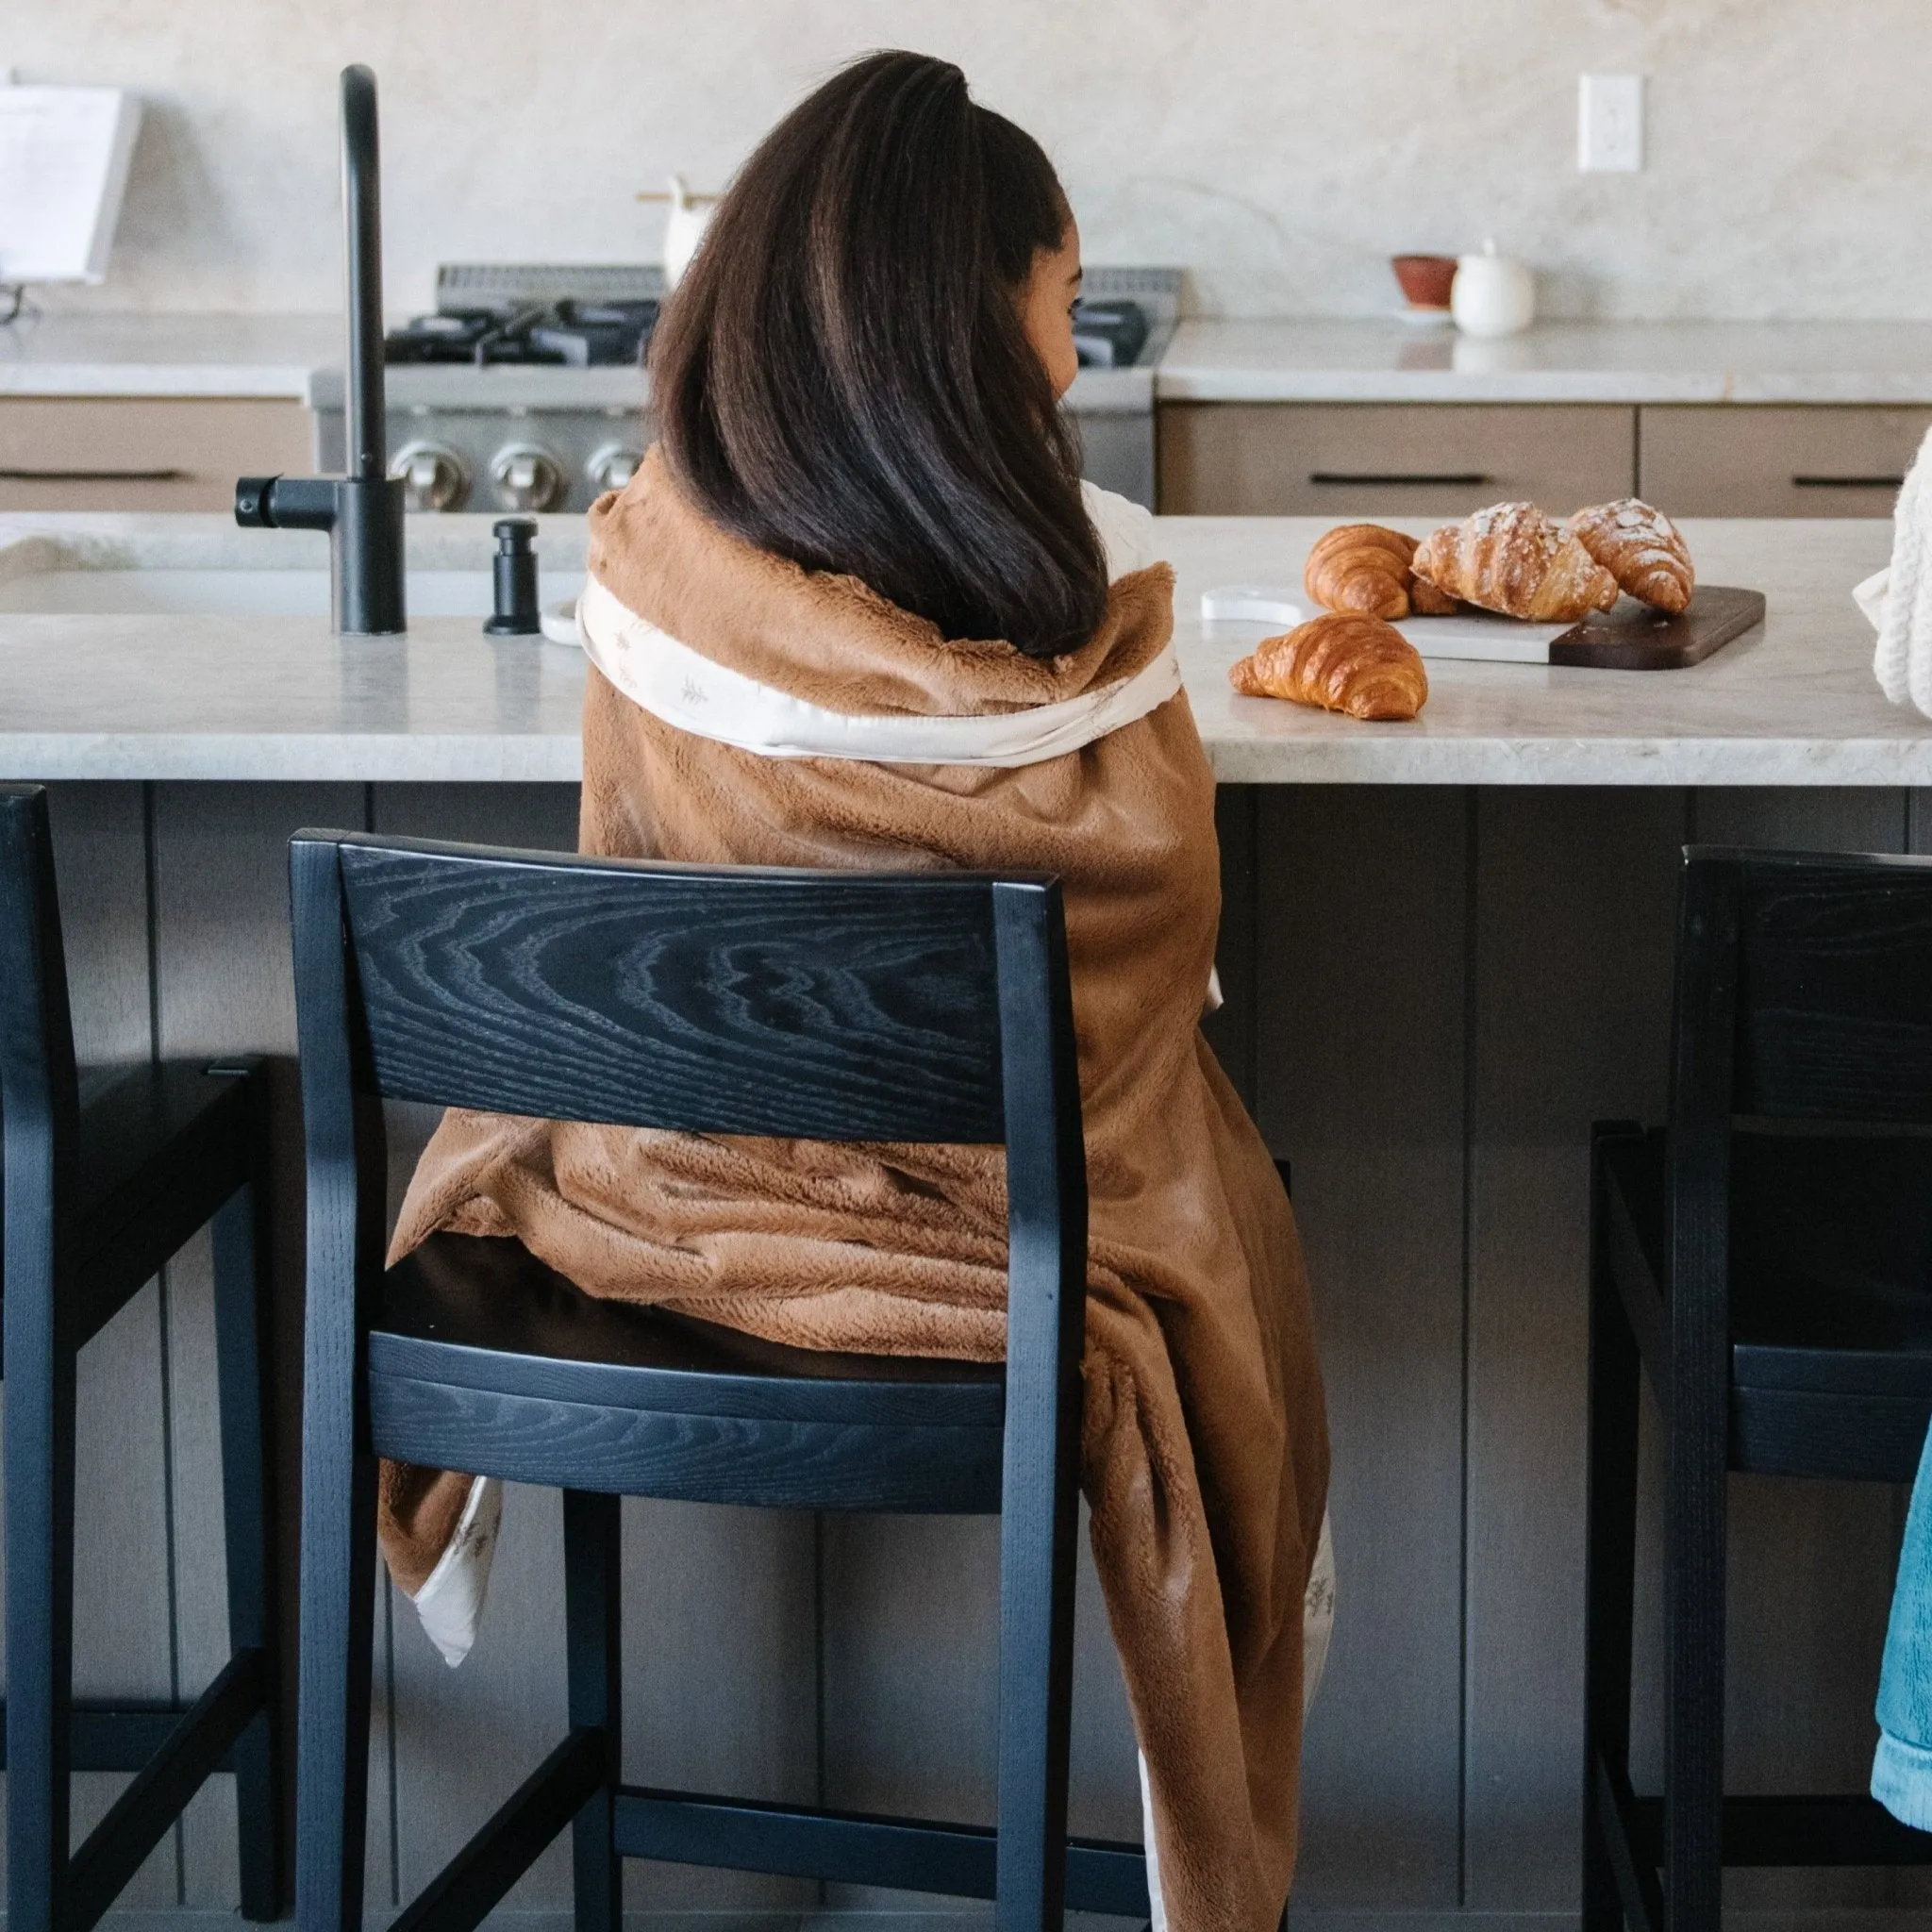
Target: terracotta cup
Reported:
[(1426, 278)]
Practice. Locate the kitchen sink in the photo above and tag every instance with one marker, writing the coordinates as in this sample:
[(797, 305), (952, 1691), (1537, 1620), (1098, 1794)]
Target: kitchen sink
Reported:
[(243, 592)]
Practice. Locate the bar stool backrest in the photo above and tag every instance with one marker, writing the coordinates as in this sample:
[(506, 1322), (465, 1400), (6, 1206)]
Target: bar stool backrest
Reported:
[(1804, 1006), (1804, 989)]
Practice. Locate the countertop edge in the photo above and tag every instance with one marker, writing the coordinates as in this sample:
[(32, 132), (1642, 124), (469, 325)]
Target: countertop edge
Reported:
[(295, 758), (482, 758), (160, 382), (1874, 764), (1552, 388)]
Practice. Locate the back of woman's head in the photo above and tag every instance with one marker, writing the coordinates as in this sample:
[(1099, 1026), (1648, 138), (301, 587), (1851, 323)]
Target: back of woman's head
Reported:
[(844, 376)]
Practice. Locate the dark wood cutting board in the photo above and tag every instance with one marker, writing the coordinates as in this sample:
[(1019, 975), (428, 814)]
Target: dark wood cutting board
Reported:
[(1632, 637)]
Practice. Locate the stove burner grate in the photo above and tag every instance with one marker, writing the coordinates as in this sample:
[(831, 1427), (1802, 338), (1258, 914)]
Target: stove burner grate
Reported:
[(566, 334)]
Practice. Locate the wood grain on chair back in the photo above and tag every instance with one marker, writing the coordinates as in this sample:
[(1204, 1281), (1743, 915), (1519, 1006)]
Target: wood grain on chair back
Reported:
[(817, 1005)]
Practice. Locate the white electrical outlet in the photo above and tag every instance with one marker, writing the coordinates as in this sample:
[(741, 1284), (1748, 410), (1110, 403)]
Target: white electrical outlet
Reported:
[(1610, 124)]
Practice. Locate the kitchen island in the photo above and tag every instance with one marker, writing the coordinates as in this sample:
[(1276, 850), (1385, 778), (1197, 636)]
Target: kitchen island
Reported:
[(240, 688), (1446, 948)]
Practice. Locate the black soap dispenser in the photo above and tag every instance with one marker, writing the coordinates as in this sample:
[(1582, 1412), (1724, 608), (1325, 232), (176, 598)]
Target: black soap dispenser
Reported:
[(515, 569)]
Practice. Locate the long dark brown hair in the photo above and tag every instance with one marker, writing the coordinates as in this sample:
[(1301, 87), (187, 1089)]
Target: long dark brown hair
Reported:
[(844, 376)]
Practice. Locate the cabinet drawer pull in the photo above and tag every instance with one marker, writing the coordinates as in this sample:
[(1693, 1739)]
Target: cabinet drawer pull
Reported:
[(1848, 482), (1444, 479), (92, 475)]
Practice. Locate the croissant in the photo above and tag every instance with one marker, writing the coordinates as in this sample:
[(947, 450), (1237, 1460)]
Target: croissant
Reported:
[(1341, 661), (1640, 548), (1513, 559), (1365, 568)]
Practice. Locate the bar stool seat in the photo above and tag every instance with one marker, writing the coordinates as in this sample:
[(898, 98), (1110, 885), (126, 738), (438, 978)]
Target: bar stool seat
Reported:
[(1830, 1295), (478, 1345), (160, 1145)]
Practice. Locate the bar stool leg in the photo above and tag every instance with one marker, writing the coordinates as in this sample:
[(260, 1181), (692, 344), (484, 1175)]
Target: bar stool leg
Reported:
[(1694, 1668), (592, 1597), (241, 1284), (1610, 1517), (40, 1612), (338, 1627), (1036, 1695)]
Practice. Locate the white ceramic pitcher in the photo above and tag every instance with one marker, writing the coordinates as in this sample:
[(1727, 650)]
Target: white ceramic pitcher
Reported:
[(684, 227), (1492, 295)]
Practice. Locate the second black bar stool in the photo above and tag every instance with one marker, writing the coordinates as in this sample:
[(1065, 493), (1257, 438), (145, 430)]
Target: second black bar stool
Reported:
[(97, 1197), (1763, 1265)]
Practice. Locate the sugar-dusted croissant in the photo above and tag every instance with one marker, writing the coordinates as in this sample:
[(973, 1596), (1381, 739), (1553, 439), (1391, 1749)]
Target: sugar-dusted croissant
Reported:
[(1513, 559), (1365, 568), (1343, 662), (1641, 548)]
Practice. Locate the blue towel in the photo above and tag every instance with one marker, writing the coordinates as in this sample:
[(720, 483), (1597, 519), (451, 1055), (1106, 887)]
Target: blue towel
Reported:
[(1902, 1769)]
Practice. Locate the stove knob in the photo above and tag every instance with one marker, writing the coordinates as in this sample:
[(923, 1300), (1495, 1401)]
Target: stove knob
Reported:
[(612, 467), (527, 477), (432, 477)]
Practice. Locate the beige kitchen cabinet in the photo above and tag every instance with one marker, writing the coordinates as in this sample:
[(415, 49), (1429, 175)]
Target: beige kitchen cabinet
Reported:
[(144, 453), (1370, 458), (1737, 460)]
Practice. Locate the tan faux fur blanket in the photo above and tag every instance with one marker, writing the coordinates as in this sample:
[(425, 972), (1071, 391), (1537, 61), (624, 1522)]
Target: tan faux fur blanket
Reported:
[(1205, 1454)]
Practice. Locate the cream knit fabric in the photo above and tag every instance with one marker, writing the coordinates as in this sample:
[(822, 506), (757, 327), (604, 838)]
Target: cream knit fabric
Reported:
[(1899, 599)]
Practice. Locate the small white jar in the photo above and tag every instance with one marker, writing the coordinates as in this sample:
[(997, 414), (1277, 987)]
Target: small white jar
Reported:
[(684, 228), (1493, 294)]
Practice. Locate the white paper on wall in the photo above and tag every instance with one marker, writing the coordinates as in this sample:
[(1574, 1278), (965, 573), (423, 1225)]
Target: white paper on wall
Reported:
[(63, 166)]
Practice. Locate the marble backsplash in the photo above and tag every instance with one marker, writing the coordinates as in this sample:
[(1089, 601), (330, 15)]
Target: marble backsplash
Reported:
[(1277, 149)]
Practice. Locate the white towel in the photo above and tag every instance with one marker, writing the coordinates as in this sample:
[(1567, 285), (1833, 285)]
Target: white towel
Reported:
[(1898, 600), (451, 1600)]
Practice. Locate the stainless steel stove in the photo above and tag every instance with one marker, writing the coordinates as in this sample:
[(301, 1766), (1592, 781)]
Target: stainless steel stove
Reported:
[(526, 390)]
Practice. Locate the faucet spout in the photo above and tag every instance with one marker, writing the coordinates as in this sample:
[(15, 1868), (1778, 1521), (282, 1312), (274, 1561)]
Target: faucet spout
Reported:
[(361, 512), (362, 250)]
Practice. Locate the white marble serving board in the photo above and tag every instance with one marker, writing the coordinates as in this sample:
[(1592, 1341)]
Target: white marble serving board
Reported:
[(1469, 635)]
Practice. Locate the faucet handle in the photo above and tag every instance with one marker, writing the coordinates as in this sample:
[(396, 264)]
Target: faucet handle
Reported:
[(286, 503)]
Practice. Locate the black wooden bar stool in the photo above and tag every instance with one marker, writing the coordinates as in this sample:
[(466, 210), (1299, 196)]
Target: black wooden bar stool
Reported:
[(1766, 1264), (829, 1006), (97, 1197)]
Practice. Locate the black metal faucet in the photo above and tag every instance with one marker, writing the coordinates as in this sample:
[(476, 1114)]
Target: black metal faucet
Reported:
[(362, 511)]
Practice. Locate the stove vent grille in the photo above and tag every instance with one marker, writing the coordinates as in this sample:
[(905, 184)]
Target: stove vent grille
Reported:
[(503, 290)]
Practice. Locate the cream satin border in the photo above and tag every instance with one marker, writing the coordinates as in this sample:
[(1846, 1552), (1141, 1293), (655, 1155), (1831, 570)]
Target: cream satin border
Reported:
[(673, 683)]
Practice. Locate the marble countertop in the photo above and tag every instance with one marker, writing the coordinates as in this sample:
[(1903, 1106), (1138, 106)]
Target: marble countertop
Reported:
[(103, 354), (1555, 363), (174, 697), (1356, 362)]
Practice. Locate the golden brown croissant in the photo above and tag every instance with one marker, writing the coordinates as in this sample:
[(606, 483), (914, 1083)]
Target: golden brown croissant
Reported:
[(1365, 568), (1513, 559), (1640, 548), (1343, 662)]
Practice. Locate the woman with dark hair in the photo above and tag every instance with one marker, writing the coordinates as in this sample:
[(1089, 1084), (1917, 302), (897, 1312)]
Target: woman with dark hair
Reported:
[(857, 608)]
